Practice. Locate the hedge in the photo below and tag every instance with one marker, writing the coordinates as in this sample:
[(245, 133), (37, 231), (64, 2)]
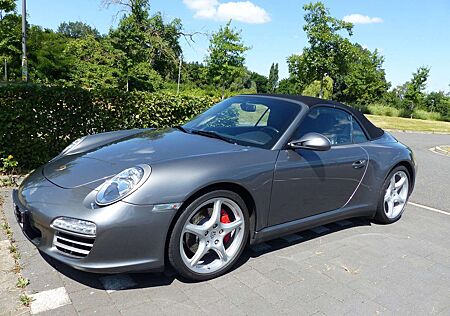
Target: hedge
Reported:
[(37, 122)]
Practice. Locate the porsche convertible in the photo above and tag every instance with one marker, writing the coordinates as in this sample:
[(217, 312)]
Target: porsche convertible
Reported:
[(249, 169)]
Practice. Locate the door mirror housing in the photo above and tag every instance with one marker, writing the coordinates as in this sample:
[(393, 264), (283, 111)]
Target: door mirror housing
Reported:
[(312, 141)]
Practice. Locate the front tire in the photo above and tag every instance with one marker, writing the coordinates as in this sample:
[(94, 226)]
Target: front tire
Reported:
[(393, 196), (209, 236)]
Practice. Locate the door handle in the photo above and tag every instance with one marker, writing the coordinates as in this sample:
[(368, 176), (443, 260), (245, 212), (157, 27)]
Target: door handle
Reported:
[(359, 163)]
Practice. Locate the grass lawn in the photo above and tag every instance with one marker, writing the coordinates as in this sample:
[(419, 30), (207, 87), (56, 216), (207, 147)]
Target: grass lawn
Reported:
[(400, 123)]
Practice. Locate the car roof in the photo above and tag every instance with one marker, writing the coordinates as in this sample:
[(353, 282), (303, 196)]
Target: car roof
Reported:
[(372, 131)]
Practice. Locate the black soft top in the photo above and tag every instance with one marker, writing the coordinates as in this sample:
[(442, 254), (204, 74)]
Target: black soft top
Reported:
[(372, 131)]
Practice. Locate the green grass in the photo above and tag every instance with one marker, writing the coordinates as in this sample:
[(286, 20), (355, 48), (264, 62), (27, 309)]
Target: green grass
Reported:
[(406, 124), (22, 282)]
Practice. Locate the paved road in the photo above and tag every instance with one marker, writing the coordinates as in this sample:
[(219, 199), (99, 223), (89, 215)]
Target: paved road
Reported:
[(433, 179), (350, 267)]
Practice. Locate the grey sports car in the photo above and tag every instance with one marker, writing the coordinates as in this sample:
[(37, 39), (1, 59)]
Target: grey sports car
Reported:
[(249, 169)]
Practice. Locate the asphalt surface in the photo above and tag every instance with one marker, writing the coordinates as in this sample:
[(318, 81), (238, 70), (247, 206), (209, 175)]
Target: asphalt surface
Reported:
[(347, 268), (433, 178)]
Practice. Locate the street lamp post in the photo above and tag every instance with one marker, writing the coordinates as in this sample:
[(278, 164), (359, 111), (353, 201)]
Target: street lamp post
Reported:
[(6, 70), (24, 42), (179, 73)]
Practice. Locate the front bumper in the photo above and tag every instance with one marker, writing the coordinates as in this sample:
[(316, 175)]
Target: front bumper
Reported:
[(128, 238)]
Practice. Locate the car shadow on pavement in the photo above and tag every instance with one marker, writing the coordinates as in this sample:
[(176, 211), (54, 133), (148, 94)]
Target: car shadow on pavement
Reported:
[(117, 282)]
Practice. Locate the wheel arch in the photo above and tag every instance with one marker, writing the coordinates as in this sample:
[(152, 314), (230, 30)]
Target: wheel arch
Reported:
[(411, 171), (229, 186)]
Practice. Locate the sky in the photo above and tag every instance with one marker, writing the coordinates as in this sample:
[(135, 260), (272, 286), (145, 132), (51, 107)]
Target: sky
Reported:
[(408, 33)]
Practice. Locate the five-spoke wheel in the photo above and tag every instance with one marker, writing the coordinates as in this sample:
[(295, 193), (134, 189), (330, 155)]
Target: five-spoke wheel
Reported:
[(209, 236), (394, 197)]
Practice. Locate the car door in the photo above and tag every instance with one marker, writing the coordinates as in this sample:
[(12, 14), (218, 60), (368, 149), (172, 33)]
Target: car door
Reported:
[(308, 182)]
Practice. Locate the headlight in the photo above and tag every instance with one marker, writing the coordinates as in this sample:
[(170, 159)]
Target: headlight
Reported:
[(74, 144), (122, 184)]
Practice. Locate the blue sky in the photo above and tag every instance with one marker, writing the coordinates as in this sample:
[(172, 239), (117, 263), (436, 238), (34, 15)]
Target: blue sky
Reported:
[(408, 33)]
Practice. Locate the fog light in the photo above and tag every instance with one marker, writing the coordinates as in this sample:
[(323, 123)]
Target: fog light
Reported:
[(75, 225)]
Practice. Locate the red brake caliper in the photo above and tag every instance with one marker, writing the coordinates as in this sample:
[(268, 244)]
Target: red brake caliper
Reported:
[(224, 218)]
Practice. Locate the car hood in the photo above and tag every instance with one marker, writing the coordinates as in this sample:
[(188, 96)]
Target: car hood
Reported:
[(92, 167)]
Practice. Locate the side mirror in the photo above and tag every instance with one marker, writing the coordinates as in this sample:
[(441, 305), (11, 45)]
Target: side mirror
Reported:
[(313, 141)]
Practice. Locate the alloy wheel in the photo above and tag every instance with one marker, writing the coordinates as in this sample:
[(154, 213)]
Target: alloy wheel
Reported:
[(396, 194), (212, 235)]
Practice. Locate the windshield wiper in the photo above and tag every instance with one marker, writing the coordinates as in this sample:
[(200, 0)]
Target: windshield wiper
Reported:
[(213, 135), (181, 128)]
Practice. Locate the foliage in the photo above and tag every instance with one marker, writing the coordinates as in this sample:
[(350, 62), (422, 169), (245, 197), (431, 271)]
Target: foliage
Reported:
[(6, 6), (414, 88), (380, 109), (438, 102), (8, 165), (273, 78), (47, 62), (365, 82), (328, 53), (96, 63), (77, 30), (260, 81), (288, 86), (10, 43), (147, 39), (424, 115), (226, 57), (37, 122), (317, 87), (22, 282)]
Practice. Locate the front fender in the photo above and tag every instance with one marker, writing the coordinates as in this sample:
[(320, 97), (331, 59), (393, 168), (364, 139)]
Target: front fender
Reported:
[(177, 180)]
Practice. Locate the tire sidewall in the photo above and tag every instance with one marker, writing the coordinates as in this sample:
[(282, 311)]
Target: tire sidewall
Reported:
[(174, 244), (381, 215)]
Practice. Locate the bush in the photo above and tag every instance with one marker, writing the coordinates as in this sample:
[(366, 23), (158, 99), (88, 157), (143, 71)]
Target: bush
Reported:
[(37, 122), (425, 115), (379, 109)]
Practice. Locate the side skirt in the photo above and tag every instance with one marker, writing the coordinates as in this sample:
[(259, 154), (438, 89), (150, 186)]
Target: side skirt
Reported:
[(298, 225)]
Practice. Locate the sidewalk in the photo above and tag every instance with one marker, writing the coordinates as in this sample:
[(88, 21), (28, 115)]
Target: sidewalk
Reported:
[(9, 293)]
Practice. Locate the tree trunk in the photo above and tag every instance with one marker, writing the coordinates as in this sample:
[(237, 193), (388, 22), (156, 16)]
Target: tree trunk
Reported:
[(321, 88)]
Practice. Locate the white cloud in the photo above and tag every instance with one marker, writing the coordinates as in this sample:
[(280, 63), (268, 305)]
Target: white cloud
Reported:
[(362, 19), (242, 11)]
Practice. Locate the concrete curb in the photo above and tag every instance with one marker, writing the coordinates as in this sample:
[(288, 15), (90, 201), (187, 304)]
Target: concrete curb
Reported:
[(415, 132)]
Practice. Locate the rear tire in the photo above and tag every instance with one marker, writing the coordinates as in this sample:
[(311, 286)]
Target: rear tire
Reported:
[(394, 196), (209, 236)]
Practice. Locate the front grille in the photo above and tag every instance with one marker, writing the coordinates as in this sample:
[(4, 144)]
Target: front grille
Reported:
[(72, 245)]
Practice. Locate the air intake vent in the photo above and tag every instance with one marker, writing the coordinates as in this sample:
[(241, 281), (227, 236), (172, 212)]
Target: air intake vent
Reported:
[(72, 245)]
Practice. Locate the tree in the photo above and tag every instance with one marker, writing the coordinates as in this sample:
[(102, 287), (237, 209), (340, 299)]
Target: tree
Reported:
[(365, 82), (147, 39), (10, 44), (414, 88), (317, 87), (6, 6), (77, 30), (288, 86), (329, 52), (96, 63), (438, 102), (261, 82), (226, 57), (46, 58), (273, 78)]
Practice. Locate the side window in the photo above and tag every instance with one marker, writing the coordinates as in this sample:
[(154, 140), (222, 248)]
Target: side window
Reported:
[(358, 134), (330, 122)]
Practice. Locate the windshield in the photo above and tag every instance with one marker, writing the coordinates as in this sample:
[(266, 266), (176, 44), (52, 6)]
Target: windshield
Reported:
[(251, 121)]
